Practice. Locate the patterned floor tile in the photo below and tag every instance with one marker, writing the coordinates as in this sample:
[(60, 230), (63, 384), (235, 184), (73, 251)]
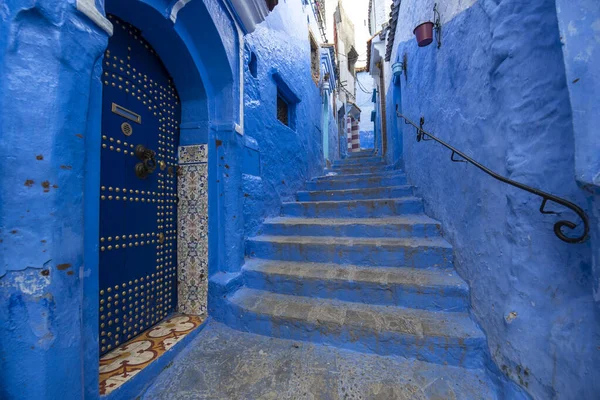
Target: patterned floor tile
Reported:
[(124, 362)]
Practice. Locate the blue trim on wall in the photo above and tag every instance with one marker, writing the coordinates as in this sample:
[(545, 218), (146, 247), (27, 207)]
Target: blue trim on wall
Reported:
[(91, 209)]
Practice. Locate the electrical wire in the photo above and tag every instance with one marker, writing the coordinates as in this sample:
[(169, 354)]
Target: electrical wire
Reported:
[(362, 88)]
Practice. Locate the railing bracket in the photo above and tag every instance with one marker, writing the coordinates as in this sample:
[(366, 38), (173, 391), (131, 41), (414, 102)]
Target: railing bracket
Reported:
[(454, 159)]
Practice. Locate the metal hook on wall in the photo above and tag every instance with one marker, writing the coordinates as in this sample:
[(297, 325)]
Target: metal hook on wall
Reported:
[(437, 25)]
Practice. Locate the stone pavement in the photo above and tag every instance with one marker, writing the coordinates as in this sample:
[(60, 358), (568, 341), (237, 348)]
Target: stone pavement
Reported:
[(222, 363)]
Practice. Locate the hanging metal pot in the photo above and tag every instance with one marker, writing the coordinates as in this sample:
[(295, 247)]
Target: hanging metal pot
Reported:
[(424, 33)]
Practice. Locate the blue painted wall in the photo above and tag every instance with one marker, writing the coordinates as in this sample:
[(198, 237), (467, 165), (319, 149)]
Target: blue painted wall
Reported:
[(329, 130), (497, 90), (44, 95), (579, 22), (367, 139), (395, 139), (288, 157), (50, 94)]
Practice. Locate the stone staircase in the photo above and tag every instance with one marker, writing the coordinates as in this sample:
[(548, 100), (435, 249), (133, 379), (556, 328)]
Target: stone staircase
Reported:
[(355, 263)]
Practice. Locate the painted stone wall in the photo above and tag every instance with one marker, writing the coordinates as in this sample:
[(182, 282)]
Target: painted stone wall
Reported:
[(496, 90), (50, 54), (579, 23), (380, 10), (44, 94), (282, 158)]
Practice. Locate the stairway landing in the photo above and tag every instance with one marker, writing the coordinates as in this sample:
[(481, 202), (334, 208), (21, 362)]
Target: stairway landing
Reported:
[(222, 363)]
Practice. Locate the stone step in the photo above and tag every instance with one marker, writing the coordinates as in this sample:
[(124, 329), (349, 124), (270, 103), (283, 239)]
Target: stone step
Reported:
[(418, 225), (366, 175), (356, 194), (377, 252), (356, 182), (225, 363), (353, 208), (435, 290), (433, 336), (357, 169), (360, 154), (359, 161)]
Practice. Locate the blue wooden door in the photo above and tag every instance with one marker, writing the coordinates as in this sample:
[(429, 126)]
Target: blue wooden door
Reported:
[(138, 203)]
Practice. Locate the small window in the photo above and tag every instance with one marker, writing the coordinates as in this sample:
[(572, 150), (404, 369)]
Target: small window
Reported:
[(283, 110), (253, 65), (286, 102), (315, 59)]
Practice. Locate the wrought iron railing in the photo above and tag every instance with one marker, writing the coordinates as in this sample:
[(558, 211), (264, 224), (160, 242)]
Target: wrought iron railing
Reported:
[(558, 226)]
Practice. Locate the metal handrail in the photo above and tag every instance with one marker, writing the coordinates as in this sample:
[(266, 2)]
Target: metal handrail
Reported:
[(545, 196)]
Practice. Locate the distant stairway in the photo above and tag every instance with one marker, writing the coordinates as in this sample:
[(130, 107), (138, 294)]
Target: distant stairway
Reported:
[(355, 263)]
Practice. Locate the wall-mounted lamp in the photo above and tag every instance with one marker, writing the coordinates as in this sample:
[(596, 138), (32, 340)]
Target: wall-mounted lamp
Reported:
[(400, 67), (424, 31)]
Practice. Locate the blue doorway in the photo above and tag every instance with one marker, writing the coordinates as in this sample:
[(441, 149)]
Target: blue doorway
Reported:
[(141, 115)]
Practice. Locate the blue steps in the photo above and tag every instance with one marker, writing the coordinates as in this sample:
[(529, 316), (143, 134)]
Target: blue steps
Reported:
[(379, 252), (361, 154), (448, 338), (359, 162), (350, 169), (417, 225), (361, 181), (349, 208), (356, 263), (354, 194), (435, 290)]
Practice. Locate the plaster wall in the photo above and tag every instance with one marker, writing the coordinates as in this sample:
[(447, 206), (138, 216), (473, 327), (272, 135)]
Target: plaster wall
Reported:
[(358, 12), (579, 23), (328, 114), (497, 90), (288, 156), (330, 6), (44, 91), (380, 10), (345, 41), (50, 56)]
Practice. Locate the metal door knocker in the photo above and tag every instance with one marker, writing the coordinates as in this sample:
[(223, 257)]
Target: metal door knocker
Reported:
[(148, 164)]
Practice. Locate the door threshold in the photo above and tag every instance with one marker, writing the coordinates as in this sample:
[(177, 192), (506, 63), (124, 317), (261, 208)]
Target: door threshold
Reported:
[(126, 361)]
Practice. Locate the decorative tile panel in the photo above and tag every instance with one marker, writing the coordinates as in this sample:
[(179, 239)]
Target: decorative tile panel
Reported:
[(192, 245), (124, 362), (193, 154)]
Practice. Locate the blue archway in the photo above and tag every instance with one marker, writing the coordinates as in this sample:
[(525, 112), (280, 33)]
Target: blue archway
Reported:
[(197, 42)]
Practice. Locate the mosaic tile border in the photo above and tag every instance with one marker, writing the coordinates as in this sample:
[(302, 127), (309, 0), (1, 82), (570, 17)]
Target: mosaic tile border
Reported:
[(192, 241), (124, 362), (197, 153)]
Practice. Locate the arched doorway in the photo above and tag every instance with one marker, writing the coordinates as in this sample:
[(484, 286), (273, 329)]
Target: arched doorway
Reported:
[(186, 46), (141, 115)]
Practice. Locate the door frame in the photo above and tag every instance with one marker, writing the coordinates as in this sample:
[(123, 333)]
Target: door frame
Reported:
[(209, 111)]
